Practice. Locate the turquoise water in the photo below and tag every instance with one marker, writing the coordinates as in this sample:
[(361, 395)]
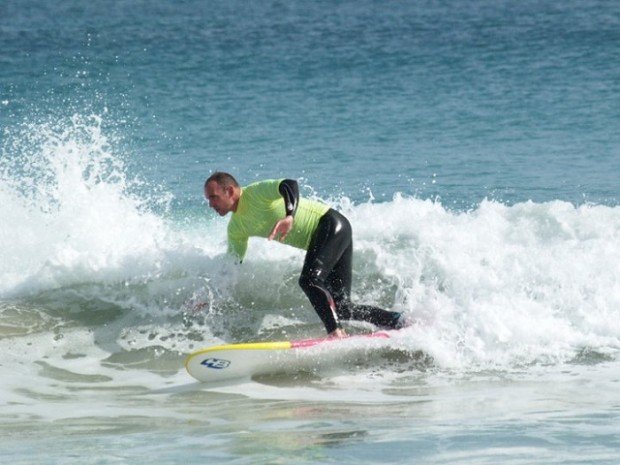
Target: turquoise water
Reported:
[(474, 147)]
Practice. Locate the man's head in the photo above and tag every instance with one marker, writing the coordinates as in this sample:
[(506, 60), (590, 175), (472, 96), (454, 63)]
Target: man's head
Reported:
[(223, 192)]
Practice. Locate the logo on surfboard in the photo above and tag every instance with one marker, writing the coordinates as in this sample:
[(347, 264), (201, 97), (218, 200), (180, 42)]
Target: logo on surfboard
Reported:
[(215, 363)]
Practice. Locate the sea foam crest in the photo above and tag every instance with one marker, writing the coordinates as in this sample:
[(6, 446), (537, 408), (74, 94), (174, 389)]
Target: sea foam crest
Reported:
[(499, 283), (68, 209)]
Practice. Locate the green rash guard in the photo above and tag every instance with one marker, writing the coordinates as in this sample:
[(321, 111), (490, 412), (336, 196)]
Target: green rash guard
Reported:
[(260, 207)]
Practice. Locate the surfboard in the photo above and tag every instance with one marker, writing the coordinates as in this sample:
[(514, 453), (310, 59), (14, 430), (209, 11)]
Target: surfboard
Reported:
[(230, 362)]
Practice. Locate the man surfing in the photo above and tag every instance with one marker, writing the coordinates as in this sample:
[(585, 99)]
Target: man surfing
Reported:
[(273, 209)]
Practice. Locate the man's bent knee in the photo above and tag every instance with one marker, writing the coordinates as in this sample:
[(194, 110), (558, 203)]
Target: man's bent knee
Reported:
[(310, 281)]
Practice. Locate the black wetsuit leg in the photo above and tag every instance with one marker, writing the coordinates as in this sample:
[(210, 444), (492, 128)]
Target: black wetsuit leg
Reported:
[(327, 272)]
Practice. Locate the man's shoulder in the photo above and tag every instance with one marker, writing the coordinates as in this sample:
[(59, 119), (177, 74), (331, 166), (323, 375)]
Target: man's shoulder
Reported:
[(264, 184), (267, 190)]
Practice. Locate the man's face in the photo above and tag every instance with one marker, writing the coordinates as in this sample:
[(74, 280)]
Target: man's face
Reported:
[(221, 199)]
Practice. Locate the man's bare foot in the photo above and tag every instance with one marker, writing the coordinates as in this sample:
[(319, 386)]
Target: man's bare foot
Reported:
[(337, 333)]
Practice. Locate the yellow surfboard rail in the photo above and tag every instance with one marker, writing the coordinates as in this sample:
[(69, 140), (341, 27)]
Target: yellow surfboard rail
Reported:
[(277, 345), (226, 362)]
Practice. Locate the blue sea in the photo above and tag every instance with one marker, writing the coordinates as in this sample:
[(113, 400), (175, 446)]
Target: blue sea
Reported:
[(475, 147)]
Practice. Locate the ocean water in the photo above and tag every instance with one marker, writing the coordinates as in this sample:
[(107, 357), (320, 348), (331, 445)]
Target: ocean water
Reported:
[(475, 147)]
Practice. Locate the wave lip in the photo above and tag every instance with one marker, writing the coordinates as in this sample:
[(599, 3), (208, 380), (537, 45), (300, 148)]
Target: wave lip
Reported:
[(72, 212), (499, 284)]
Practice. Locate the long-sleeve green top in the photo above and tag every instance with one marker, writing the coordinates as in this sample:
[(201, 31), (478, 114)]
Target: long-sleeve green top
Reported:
[(260, 207)]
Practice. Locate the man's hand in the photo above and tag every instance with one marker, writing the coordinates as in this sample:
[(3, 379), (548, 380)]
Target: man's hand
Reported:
[(281, 229)]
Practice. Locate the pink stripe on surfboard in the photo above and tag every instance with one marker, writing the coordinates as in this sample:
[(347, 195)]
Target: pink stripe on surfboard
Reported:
[(312, 342)]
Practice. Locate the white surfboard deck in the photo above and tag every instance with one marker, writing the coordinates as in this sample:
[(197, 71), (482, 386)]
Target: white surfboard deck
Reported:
[(230, 362)]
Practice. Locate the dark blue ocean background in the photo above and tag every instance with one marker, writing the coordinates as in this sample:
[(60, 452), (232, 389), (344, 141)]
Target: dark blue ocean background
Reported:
[(457, 100)]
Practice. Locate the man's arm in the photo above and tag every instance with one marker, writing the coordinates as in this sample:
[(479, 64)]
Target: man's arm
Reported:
[(289, 189), (237, 241)]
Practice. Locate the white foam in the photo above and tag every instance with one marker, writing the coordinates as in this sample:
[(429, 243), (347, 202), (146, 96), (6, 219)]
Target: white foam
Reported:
[(499, 284), (74, 216)]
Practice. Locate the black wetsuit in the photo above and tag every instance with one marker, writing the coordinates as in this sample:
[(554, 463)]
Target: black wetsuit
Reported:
[(326, 276)]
